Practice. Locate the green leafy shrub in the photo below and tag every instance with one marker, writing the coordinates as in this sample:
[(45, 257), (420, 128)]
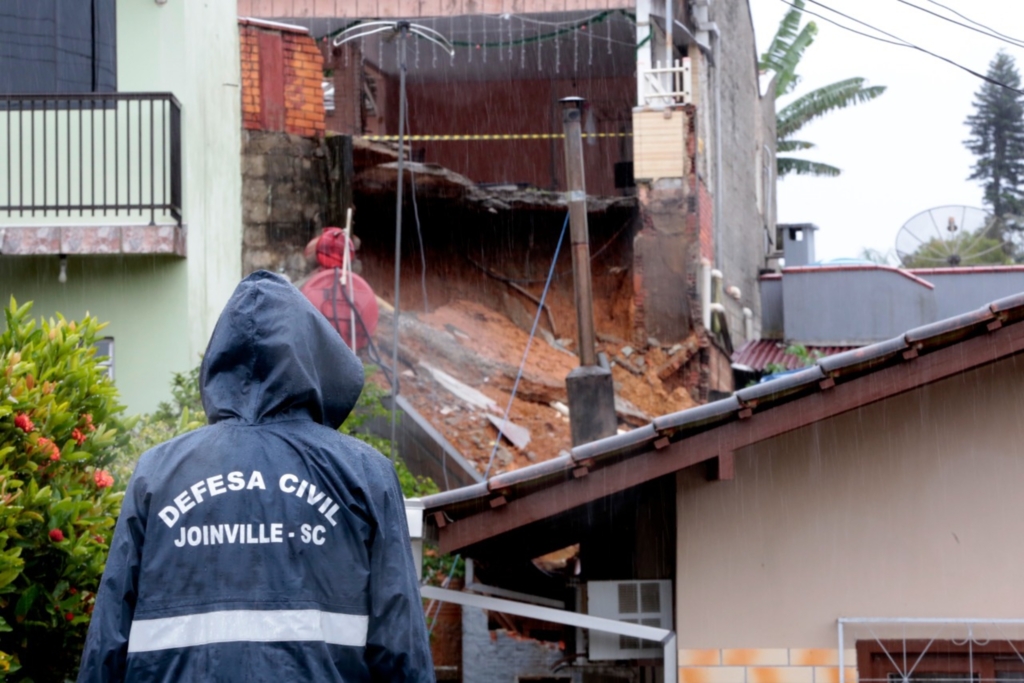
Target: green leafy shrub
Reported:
[(183, 413), (61, 425)]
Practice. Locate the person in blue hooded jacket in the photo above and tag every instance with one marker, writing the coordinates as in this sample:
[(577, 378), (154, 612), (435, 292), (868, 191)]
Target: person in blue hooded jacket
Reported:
[(266, 546)]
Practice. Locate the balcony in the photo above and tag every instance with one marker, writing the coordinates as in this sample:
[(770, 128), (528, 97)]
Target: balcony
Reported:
[(91, 174)]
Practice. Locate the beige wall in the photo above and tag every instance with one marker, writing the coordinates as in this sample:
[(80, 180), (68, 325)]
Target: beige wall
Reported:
[(911, 507)]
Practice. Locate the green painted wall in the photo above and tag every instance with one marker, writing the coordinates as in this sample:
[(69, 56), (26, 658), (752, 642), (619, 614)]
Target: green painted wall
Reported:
[(161, 309), (143, 299)]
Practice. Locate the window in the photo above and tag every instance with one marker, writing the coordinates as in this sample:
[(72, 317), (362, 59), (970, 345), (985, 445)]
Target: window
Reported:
[(940, 661), (105, 355), (57, 46)]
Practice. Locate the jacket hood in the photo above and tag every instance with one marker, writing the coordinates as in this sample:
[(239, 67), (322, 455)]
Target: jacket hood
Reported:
[(273, 354)]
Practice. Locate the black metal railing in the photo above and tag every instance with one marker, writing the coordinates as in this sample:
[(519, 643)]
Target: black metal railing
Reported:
[(91, 155)]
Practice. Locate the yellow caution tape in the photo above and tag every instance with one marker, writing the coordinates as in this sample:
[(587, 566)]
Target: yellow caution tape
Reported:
[(511, 136)]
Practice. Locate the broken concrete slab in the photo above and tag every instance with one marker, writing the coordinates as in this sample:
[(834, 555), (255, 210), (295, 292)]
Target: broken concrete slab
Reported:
[(517, 436), (459, 389)]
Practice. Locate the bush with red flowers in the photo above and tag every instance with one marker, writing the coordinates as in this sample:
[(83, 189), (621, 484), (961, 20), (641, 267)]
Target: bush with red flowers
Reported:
[(61, 425)]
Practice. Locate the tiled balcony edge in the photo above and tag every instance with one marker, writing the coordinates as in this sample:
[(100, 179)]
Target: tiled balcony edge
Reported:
[(168, 240)]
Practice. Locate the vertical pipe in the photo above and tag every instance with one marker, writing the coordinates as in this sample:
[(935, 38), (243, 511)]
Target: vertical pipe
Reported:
[(9, 120), (152, 166), (81, 167), (103, 110), (138, 112), (21, 157), (842, 658), (117, 158), (165, 166), (92, 155), (643, 52), (717, 221), (572, 111), (67, 141), (670, 48), (403, 29), (32, 161), (44, 154), (671, 658)]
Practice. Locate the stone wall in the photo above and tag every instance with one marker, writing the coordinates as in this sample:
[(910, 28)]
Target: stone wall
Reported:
[(282, 196)]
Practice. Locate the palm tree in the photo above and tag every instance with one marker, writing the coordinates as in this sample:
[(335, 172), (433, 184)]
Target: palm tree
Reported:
[(782, 58)]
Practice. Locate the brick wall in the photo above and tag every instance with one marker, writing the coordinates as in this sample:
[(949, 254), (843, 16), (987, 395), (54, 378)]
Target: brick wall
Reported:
[(282, 72), (362, 9), (250, 78)]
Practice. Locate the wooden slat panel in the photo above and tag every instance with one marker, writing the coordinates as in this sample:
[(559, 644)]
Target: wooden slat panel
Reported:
[(659, 145)]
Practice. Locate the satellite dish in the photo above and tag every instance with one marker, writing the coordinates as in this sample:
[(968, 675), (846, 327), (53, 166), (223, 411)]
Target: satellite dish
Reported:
[(949, 236)]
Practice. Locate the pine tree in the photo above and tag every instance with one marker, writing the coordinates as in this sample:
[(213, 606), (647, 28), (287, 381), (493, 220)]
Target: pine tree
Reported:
[(997, 139)]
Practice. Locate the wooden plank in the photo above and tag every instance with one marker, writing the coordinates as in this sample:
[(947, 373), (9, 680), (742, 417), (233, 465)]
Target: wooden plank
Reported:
[(770, 423), (271, 81), (722, 468)]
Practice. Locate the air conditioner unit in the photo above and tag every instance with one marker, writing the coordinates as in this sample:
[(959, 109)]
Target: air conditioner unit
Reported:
[(648, 603)]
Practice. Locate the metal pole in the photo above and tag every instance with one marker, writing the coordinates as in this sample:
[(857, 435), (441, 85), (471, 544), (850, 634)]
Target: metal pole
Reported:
[(403, 30), (842, 662), (572, 113)]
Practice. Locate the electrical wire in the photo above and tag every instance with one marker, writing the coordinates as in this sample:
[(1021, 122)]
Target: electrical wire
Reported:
[(976, 23), (529, 341), (419, 229), (899, 42), (985, 32), (508, 408)]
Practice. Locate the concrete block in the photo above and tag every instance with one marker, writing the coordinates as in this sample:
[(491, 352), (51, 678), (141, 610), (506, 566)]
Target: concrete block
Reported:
[(591, 404)]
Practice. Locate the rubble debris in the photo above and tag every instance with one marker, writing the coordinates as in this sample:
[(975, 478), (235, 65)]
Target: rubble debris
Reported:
[(518, 436), (677, 359), (437, 182), (627, 351), (630, 412), (460, 390), (483, 361), (622, 362)]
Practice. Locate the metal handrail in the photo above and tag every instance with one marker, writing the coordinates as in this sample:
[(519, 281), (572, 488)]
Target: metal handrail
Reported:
[(101, 154)]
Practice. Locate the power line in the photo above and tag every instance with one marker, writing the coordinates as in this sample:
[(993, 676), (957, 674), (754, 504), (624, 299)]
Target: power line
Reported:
[(896, 40), (976, 23), (851, 30), (983, 31)]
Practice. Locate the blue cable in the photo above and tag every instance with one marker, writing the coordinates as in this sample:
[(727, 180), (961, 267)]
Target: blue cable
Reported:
[(526, 352), (515, 388)]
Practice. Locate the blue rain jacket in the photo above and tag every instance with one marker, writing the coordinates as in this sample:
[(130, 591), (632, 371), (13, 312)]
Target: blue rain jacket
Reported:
[(265, 546)]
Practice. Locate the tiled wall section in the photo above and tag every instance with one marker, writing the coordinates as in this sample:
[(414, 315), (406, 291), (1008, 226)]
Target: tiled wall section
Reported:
[(765, 665), (414, 8)]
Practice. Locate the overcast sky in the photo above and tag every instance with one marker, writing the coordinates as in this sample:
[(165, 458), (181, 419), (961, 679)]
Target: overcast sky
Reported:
[(903, 152)]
